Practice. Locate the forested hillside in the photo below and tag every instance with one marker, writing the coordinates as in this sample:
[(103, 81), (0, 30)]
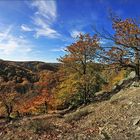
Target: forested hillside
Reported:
[(91, 93)]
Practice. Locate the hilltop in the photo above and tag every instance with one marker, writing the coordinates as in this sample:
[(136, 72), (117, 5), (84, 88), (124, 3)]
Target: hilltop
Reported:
[(14, 73)]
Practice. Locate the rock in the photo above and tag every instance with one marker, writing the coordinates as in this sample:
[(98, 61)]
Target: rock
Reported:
[(135, 84), (131, 75), (120, 83), (105, 136), (138, 129), (1, 133), (99, 93), (136, 121), (114, 87), (130, 103)]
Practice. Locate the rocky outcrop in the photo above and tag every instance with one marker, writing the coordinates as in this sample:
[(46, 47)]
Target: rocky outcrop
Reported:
[(129, 81)]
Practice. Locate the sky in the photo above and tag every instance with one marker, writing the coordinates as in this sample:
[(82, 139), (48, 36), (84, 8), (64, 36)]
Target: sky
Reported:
[(39, 30)]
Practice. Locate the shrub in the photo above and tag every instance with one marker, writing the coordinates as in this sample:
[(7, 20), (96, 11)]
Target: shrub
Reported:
[(40, 126), (76, 116)]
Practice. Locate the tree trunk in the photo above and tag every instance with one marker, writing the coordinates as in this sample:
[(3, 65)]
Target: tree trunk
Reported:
[(137, 73), (137, 66), (85, 98), (46, 107), (9, 110), (85, 94), (17, 114)]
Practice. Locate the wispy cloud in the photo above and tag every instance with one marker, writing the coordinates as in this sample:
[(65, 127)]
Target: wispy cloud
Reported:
[(10, 44), (43, 18), (47, 9), (3, 35), (103, 41), (60, 49), (48, 32), (44, 29), (25, 28)]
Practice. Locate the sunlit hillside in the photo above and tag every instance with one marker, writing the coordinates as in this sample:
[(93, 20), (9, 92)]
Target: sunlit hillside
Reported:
[(69, 70)]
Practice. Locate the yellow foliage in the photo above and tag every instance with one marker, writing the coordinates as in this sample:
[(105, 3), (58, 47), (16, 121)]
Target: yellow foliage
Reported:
[(66, 88), (113, 77)]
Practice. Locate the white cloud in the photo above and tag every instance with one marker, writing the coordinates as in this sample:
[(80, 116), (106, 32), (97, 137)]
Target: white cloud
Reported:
[(47, 9), (10, 44), (44, 29), (103, 41), (25, 28), (76, 33), (40, 22), (43, 18), (61, 49), (51, 33), (3, 35)]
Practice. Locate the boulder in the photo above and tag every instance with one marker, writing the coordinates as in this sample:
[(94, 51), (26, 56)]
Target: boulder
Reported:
[(131, 75)]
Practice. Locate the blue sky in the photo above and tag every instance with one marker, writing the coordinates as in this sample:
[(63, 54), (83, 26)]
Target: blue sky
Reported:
[(41, 29)]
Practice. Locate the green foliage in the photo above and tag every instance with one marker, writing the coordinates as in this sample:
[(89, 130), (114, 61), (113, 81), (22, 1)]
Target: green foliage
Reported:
[(71, 89), (82, 74)]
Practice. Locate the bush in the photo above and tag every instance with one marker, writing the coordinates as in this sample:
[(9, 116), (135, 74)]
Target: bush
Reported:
[(40, 126), (76, 116), (75, 100)]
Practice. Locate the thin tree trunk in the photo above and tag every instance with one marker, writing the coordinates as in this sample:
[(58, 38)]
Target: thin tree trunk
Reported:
[(9, 109), (137, 73), (46, 107), (137, 66)]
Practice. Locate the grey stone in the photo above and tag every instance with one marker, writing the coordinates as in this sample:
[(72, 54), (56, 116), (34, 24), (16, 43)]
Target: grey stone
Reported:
[(131, 75), (136, 121)]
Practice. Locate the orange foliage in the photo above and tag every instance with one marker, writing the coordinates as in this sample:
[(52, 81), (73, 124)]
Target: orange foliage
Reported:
[(126, 52), (84, 48), (43, 93), (35, 102)]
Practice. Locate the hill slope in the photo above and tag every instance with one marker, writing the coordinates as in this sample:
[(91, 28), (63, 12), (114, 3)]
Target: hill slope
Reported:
[(115, 119), (14, 73), (27, 81)]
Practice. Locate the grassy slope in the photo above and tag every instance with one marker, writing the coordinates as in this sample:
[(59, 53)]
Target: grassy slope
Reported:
[(115, 119)]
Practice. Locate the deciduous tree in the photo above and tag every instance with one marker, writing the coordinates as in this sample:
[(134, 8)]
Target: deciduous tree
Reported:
[(80, 61), (125, 52), (8, 101)]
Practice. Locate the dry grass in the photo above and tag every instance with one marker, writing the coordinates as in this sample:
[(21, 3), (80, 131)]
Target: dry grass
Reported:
[(76, 116), (114, 119), (40, 126)]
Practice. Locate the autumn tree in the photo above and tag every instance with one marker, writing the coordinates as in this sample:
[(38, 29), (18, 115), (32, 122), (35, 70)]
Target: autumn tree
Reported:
[(8, 101), (125, 53), (79, 66), (41, 100)]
